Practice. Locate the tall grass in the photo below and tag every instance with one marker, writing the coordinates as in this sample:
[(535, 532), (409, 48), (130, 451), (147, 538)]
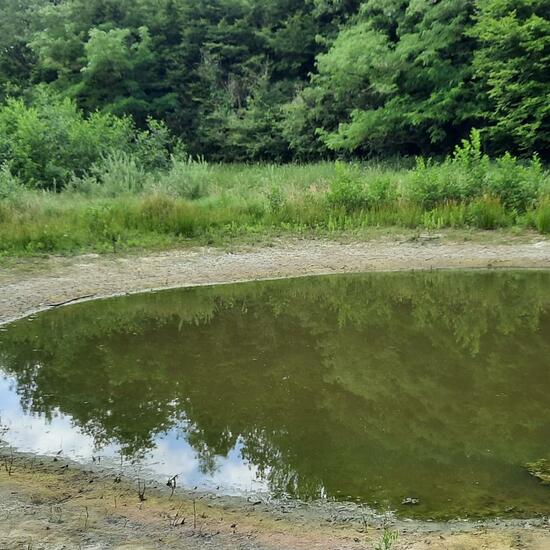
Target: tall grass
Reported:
[(119, 205)]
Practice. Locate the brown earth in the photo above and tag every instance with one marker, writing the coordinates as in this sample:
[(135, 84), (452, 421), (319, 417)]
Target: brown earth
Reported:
[(52, 504)]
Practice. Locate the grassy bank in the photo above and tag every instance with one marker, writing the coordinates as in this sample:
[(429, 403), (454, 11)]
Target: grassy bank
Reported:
[(122, 206)]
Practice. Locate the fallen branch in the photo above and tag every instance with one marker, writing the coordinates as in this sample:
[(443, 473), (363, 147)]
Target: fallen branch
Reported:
[(59, 304)]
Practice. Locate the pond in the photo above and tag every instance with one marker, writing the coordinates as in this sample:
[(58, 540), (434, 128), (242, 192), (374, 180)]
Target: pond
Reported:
[(379, 388)]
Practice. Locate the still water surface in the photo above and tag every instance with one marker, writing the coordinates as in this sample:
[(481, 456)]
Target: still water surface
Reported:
[(371, 388)]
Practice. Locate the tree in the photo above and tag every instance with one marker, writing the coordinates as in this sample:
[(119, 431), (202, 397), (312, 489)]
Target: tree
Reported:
[(117, 75), (398, 78), (512, 63), (16, 58)]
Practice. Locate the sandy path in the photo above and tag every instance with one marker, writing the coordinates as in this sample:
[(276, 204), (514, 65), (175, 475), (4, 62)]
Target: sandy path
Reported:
[(24, 290)]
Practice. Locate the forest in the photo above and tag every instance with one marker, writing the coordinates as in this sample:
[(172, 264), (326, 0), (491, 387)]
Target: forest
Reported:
[(429, 103)]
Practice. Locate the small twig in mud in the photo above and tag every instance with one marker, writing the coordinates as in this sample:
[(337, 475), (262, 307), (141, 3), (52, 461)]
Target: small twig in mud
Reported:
[(172, 483), (86, 517), (70, 301), (194, 514), (141, 491), (8, 462)]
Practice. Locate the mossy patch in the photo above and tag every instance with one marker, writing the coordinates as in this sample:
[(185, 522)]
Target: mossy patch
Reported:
[(540, 469)]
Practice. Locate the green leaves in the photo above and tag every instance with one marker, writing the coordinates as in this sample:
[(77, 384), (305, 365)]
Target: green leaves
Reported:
[(401, 70), (49, 143), (513, 66), (242, 80)]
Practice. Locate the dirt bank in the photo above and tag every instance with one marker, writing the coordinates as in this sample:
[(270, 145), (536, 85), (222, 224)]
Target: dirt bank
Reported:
[(27, 286), (50, 503)]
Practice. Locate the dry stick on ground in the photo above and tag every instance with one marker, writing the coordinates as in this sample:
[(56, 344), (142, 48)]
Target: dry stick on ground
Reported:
[(86, 517), (59, 304), (141, 491), (8, 462), (175, 521)]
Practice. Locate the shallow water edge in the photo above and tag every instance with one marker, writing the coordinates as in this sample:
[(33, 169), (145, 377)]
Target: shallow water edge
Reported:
[(29, 287)]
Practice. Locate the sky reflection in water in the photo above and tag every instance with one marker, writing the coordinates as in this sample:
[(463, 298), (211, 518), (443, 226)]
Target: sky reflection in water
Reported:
[(172, 455), (371, 388)]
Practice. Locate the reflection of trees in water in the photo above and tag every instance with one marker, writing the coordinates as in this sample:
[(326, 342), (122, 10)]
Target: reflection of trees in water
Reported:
[(328, 382)]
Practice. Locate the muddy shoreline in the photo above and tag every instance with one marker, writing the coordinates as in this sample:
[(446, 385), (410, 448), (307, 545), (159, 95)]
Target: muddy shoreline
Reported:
[(28, 286), (50, 502), (53, 503)]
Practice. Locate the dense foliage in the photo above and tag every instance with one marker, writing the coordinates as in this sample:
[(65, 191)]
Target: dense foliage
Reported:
[(280, 80)]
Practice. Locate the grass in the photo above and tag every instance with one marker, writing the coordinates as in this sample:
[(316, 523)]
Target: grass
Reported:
[(123, 207)]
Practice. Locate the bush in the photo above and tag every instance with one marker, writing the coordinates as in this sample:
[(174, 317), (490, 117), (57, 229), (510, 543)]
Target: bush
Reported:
[(154, 144), (10, 185), (541, 216), (346, 189), (487, 212), (50, 143), (276, 198), (381, 189), (459, 178), (516, 184), (187, 178), (119, 173)]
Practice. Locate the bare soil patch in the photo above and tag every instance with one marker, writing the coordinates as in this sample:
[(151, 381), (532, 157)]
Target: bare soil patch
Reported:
[(48, 503)]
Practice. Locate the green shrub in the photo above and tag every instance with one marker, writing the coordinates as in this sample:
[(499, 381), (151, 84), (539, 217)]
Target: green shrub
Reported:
[(10, 185), (381, 189), (431, 184), (153, 146), (541, 216), (346, 189), (516, 184), (469, 156), (50, 143), (187, 178), (275, 198), (119, 173), (458, 178), (47, 143), (488, 212)]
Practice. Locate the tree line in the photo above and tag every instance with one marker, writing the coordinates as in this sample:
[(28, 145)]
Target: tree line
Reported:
[(282, 80)]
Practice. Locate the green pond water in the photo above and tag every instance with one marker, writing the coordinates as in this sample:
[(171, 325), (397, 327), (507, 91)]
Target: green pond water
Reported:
[(369, 388)]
